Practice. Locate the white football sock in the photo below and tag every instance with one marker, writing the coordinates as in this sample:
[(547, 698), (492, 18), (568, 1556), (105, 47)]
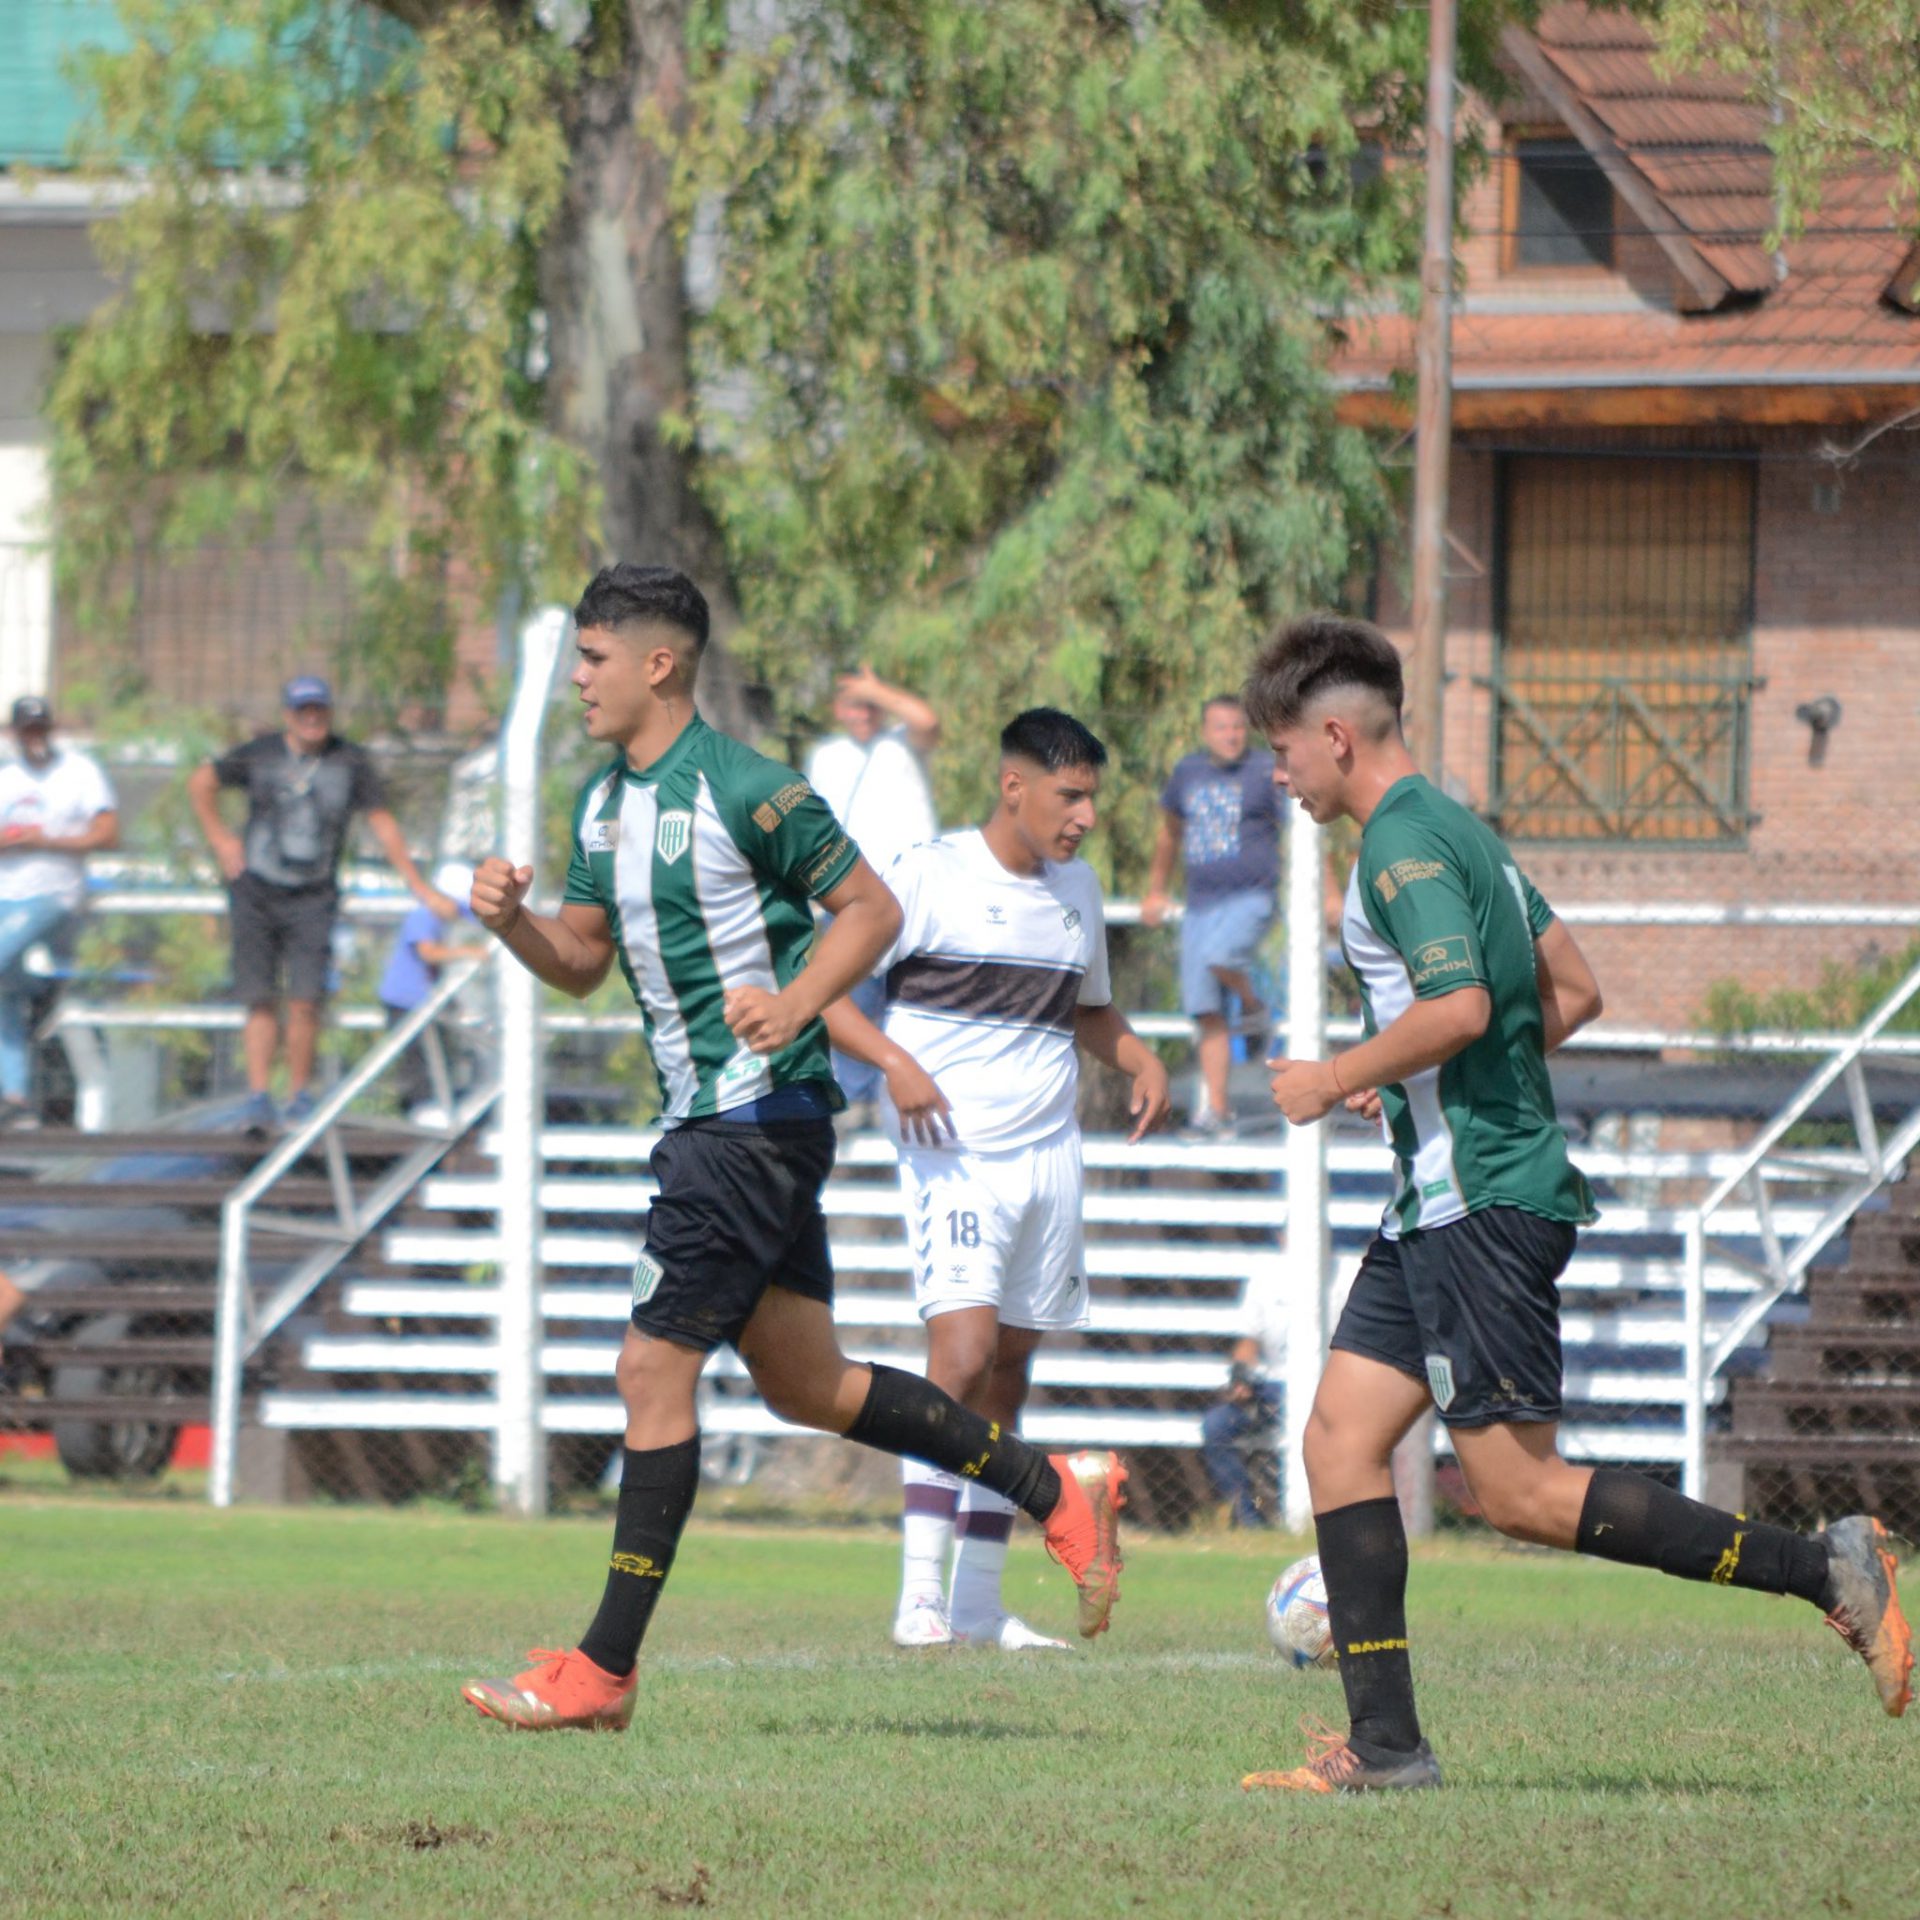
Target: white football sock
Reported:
[(982, 1532), (926, 1532)]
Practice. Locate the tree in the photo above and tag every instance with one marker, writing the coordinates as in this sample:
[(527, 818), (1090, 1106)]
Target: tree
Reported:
[(1842, 78), (413, 258), (1015, 370), (1008, 366)]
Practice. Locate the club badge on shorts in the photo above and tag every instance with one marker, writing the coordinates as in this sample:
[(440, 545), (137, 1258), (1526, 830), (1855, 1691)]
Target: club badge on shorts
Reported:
[(647, 1275), (1440, 1380)]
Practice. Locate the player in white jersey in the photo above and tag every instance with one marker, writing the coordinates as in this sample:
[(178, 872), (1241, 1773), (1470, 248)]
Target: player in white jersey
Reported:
[(997, 979)]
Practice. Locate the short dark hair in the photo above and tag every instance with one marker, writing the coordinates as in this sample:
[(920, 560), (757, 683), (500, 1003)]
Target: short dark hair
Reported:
[(1052, 739), (1213, 700), (1318, 655), (623, 595)]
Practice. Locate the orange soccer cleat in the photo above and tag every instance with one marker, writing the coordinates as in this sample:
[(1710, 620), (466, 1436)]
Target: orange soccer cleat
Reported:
[(1334, 1767), (1083, 1531), (1862, 1606), (559, 1690)]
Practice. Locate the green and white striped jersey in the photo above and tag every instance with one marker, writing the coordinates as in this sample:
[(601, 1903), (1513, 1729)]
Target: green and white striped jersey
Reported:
[(1436, 903), (704, 864)]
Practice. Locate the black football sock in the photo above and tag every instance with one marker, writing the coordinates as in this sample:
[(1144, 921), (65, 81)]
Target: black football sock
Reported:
[(1630, 1518), (1363, 1559), (656, 1495), (906, 1414)]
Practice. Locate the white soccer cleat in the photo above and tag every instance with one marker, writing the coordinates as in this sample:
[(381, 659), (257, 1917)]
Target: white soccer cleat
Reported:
[(922, 1625), (1010, 1635)]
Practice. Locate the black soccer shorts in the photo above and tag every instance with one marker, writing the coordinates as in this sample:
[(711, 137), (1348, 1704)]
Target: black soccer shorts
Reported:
[(738, 1211), (1472, 1309)]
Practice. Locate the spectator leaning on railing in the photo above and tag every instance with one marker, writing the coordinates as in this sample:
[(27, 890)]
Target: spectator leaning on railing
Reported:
[(303, 785), (1220, 816), (56, 807)]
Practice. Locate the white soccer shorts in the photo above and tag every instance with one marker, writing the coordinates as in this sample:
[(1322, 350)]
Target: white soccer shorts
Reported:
[(999, 1230)]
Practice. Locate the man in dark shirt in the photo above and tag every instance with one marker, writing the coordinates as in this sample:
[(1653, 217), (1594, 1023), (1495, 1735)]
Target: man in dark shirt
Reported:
[(303, 787), (1218, 815)]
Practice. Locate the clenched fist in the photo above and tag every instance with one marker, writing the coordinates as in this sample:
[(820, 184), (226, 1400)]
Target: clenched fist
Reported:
[(499, 893)]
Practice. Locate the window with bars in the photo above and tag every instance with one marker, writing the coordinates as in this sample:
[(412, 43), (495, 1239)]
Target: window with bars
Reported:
[(1622, 674)]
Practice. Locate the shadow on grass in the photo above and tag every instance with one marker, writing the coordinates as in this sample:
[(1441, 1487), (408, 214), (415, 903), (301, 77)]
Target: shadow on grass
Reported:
[(819, 1726)]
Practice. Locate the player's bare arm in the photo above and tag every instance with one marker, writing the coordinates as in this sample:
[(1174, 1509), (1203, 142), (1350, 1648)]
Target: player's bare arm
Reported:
[(1104, 1033), (1166, 849), (925, 1117), (571, 950), (1428, 1034), (1569, 993), (866, 917)]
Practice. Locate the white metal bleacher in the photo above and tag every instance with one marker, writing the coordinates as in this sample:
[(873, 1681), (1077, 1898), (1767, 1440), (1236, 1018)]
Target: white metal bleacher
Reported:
[(1153, 1279)]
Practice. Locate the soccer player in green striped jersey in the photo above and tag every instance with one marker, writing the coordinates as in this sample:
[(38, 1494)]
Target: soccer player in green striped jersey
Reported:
[(1468, 983), (695, 866)]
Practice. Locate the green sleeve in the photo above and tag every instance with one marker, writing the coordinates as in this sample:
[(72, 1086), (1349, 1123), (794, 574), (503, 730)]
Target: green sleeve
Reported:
[(583, 885), (1416, 897), (1539, 914), (785, 829)]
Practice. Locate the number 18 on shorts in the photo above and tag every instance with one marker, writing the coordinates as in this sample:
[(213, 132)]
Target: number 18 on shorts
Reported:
[(998, 1230)]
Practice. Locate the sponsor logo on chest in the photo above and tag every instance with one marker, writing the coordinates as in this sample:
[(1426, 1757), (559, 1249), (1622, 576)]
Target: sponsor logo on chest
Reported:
[(673, 835), (602, 836)]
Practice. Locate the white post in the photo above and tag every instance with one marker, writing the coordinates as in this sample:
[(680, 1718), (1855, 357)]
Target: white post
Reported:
[(1308, 1252), (519, 1443), (1694, 1473), (229, 1353)]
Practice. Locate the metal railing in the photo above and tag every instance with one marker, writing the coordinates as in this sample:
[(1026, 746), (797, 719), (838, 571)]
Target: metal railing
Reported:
[(1786, 1256), (245, 1320)]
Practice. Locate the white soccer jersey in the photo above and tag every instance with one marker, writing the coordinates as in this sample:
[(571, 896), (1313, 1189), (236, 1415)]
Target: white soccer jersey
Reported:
[(983, 980)]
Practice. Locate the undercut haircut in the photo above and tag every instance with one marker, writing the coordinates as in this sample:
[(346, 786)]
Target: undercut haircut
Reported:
[(627, 596), (1321, 654), (1051, 740)]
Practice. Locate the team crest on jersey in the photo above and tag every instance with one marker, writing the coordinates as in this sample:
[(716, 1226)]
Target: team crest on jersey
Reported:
[(673, 835), (602, 836), (1070, 919)]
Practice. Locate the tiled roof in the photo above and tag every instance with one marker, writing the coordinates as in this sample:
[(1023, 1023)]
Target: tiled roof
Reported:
[(1702, 151)]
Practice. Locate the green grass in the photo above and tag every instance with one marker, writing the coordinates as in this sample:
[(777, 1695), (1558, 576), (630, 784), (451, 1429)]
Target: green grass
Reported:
[(254, 1713)]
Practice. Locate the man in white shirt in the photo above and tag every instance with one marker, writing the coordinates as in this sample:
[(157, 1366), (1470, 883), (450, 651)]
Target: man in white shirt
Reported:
[(872, 775), (996, 981), (56, 807)]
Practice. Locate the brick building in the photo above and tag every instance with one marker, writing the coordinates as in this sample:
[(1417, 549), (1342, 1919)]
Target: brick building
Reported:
[(1684, 486)]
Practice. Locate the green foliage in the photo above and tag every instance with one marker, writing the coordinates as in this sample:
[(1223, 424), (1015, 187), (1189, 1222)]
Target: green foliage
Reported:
[(326, 312), (1842, 999), (1032, 303), (1842, 78)]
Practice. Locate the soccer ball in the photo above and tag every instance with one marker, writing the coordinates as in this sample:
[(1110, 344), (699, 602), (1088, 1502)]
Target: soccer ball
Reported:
[(1297, 1621)]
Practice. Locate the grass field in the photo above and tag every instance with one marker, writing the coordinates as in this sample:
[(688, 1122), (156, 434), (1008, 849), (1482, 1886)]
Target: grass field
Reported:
[(254, 1714)]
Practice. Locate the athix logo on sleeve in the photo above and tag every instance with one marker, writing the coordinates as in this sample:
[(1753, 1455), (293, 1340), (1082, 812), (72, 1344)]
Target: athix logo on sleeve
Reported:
[(1437, 959)]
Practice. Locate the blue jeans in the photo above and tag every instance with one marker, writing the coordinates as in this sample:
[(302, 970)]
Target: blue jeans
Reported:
[(1223, 1434), (23, 924)]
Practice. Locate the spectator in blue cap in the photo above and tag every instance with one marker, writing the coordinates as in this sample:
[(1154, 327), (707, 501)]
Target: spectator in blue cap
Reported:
[(304, 785)]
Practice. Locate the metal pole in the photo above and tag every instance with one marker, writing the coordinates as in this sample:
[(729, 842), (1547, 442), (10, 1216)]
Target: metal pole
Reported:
[(1433, 440), (519, 1446), (1433, 422), (229, 1352), (1694, 1472), (1308, 1251)]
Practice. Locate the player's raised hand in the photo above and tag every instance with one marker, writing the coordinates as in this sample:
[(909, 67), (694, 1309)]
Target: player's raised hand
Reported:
[(925, 1117), (762, 1021), (1304, 1090), (499, 893), (1151, 1100)]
